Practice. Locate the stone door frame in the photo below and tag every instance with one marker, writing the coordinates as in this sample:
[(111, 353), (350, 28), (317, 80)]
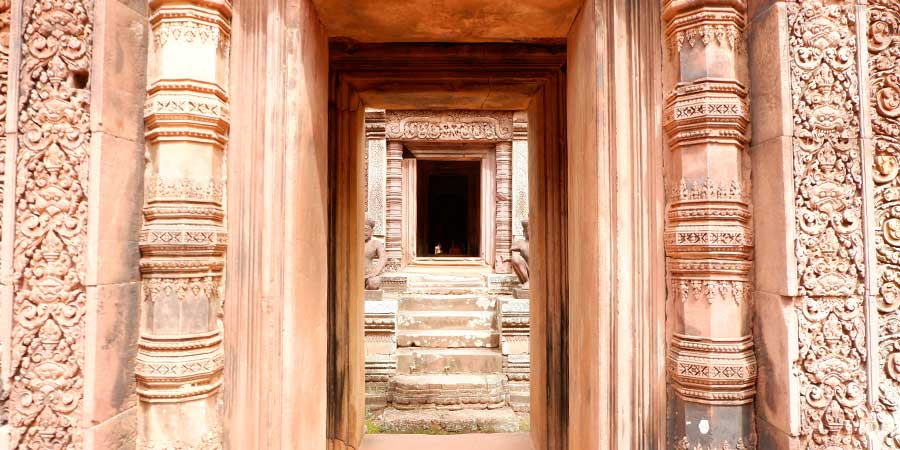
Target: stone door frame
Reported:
[(484, 151), (294, 319)]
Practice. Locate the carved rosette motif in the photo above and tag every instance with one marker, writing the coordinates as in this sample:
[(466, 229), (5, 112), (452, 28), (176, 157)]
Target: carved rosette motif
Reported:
[(829, 246), (709, 237), (183, 240), (51, 226), (884, 100)]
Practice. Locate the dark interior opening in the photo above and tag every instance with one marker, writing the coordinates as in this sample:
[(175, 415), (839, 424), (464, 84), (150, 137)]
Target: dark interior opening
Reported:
[(449, 221)]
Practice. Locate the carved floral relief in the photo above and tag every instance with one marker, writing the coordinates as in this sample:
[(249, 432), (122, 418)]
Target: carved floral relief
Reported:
[(828, 200), (51, 225), (884, 88), (4, 87)]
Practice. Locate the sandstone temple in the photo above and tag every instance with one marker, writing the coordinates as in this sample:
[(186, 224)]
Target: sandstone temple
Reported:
[(391, 224)]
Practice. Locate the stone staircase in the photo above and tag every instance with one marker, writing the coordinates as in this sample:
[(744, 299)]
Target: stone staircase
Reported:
[(449, 374)]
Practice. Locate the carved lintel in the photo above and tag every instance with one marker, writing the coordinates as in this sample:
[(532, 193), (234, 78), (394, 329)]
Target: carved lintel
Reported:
[(490, 126)]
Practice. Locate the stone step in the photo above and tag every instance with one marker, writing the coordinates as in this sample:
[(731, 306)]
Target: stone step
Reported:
[(446, 320), (443, 289), (448, 360), (440, 421), (435, 278), (431, 302), (472, 283), (448, 338), (458, 391)]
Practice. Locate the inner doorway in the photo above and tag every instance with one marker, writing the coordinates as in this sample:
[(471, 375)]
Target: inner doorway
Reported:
[(448, 208)]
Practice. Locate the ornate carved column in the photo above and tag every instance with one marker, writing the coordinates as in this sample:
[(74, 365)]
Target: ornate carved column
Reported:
[(394, 202), (708, 237), (180, 360), (503, 237), (519, 173)]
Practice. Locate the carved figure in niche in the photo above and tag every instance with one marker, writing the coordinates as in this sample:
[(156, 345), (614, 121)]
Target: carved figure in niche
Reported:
[(376, 258), (520, 257)]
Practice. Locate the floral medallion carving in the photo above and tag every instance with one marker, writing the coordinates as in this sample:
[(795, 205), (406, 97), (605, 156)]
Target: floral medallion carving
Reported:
[(828, 200), (51, 225), (884, 100)]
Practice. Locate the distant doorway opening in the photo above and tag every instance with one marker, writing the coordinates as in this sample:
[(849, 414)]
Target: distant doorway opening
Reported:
[(449, 216)]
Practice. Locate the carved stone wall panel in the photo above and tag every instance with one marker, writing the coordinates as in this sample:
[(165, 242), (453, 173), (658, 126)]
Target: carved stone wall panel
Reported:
[(49, 266), (519, 176), (884, 107), (5, 322), (180, 358), (376, 170), (828, 200)]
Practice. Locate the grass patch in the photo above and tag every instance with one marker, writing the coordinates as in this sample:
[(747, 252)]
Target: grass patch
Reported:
[(525, 425)]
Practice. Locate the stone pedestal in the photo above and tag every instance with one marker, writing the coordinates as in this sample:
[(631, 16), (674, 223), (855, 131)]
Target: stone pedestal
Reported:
[(521, 293), (376, 294), (515, 323), (380, 347)]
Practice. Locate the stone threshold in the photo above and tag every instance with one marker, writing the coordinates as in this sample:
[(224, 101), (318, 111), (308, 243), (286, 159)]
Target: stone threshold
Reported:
[(498, 441)]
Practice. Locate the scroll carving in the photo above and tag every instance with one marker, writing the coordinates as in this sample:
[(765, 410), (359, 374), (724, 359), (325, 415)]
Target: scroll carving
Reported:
[(828, 200), (450, 126), (45, 403), (884, 88)]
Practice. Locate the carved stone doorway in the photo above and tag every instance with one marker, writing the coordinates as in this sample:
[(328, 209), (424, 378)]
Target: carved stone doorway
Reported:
[(429, 136), (484, 196), (294, 360)]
